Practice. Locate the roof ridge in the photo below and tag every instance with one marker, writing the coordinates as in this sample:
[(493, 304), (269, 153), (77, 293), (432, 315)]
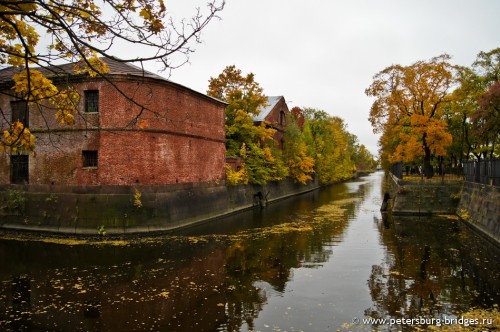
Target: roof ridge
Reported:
[(116, 67), (264, 112)]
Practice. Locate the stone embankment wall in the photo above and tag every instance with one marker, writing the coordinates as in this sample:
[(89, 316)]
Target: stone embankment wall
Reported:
[(131, 209), (479, 207), (422, 197)]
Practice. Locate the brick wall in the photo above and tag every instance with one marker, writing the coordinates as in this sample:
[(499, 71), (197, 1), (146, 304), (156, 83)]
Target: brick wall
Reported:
[(274, 118), (166, 134)]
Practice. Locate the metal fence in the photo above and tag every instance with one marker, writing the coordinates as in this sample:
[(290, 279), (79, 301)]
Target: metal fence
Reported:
[(483, 171), (413, 172)]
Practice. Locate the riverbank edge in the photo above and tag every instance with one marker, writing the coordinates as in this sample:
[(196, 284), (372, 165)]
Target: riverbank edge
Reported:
[(134, 210), (419, 198), (122, 210), (479, 208), (476, 205)]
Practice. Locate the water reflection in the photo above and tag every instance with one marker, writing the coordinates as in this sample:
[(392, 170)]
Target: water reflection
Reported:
[(171, 283), (433, 266), (310, 263)]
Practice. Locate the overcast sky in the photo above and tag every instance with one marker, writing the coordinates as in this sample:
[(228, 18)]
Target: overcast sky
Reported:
[(324, 53)]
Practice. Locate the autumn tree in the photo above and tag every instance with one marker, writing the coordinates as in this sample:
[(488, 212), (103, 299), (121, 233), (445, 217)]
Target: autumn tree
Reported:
[(472, 115), (409, 109), (363, 158), (464, 102), (36, 35), (486, 118), (254, 144), (297, 157), (327, 140)]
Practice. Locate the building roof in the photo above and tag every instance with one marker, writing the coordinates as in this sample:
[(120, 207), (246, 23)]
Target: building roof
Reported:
[(264, 112), (115, 65)]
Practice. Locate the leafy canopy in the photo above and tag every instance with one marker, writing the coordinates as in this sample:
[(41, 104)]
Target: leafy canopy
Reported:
[(409, 108), (36, 35), (299, 161), (486, 117), (251, 142), (419, 108), (328, 142)]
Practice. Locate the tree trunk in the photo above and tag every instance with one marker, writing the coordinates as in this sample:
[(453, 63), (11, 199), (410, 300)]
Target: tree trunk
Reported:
[(428, 171)]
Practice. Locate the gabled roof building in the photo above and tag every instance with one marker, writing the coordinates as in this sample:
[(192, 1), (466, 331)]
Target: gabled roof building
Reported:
[(275, 115)]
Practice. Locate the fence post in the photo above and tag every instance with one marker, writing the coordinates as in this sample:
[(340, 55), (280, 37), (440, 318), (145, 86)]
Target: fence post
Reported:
[(483, 171)]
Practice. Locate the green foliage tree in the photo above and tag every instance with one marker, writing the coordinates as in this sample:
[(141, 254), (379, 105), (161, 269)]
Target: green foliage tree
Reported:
[(328, 142), (82, 32), (314, 141), (486, 120), (486, 117), (299, 162), (464, 102), (473, 113), (363, 159), (254, 144)]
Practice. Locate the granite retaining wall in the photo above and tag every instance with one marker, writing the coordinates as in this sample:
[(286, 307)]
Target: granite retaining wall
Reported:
[(423, 197), (131, 209), (479, 207)]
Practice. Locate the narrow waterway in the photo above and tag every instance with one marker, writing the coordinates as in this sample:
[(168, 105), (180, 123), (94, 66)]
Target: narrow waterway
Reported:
[(323, 261)]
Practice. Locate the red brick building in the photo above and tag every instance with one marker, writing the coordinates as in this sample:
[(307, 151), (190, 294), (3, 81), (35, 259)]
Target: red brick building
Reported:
[(275, 114), (133, 128)]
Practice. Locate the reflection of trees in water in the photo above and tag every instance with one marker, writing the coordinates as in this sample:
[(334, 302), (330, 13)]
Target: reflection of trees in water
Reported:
[(204, 283), (168, 284), (270, 258), (164, 286), (432, 266)]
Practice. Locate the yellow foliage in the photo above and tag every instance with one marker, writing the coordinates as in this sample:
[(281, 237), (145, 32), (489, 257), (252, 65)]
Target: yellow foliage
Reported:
[(37, 89), (17, 139), (80, 30), (94, 67), (409, 109), (243, 150), (268, 155), (236, 177), (301, 165), (65, 102), (137, 198), (422, 131)]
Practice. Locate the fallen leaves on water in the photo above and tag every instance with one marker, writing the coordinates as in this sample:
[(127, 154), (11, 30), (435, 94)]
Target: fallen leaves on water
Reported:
[(164, 294), (68, 241)]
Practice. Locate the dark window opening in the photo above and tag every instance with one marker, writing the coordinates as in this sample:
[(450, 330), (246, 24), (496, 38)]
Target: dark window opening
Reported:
[(89, 158), (20, 112), (282, 118), (91, 101), (19, 169)]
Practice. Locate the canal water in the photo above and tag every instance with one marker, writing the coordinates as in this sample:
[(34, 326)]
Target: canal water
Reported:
[(323, 261)]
